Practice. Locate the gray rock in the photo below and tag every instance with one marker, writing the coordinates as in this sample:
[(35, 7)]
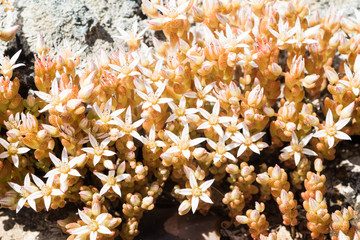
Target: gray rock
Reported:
[(83, 23)]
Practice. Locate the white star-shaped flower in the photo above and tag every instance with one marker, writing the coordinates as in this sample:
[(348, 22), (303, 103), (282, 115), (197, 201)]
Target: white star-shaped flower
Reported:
[(180, 112), (233, 127), (8, 65), (150, 141), (46, 191), (105, 116), (64, 167), (201, 94), (213, 120), (303, 37), (54, 99), (298, 147), (98, 150), (111, 181), (247, 141), (12, 150), (128, 127), (222, 150), (196, 192), (152, 99), (92, 227), (125, 69), (332, 130), (284, 33), (24, 192), (353, 80), (183, 144)]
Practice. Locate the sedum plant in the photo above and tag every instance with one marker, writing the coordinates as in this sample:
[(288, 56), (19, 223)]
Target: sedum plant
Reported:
[(195, 112)]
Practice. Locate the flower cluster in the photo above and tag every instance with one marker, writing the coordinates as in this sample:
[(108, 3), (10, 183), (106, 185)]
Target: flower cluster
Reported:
[(210, 106)]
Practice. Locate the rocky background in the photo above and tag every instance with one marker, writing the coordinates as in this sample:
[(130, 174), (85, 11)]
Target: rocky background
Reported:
[(93, 24)]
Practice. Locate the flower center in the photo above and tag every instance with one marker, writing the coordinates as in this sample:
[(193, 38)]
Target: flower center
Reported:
[(105, 117), (297, 148), (173, 13), (46, 190), (125, 69), (201, 94), (248, 141), (196, 192), (128, 128), (12, 150), (111, 181), (331, 131), (184, 144), (179, 112), (213, 119), (98, 150), (151, 145), (232, 128), (64, 168), (152, 99), (155, 77), (93, 226), (24, 193), (55, 100)]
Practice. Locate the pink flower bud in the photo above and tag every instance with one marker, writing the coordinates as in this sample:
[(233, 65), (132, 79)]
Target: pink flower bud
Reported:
[(245, 171), (275, 69), (242, 219), (297, 66), (135, 200), (84, 123), (254, 215), (262, 178), (109, 165), (85, 92), (318, 164), (347, 111), (40, 44), (8, 33), (314, 205), (184, 207), (276, 173), (50, 129), (42, 134)]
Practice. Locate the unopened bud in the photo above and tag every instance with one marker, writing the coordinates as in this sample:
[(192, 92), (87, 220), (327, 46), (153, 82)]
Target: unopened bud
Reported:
[(130, 145), (242, 219), (232, 169), (275, 69), (85, 92), (335, 40), (262, 178), (198, 14), (8, 33), (40, 44), (318, 164), (53, 131), (331, 75), (184, 207), (276, 173), (30, 101), (347, 111), (109, 165), (135, 200), (254, 216), (84, 123), (42, 134), (268, 111)]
